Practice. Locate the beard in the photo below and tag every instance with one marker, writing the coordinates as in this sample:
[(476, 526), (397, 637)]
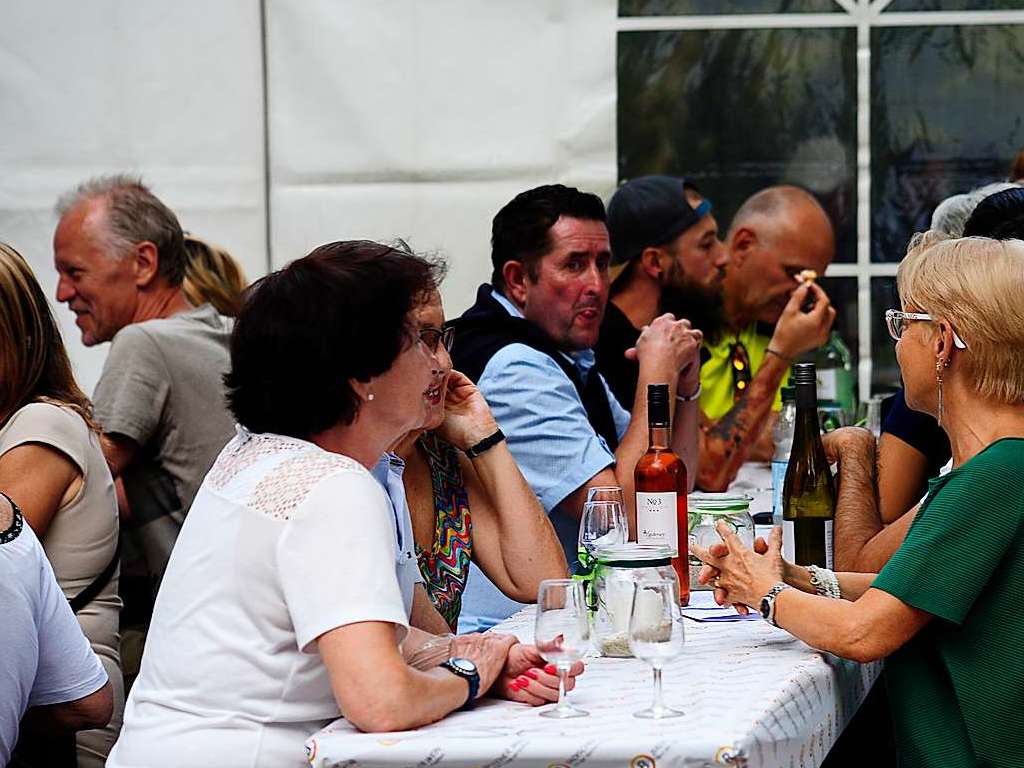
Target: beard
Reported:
[(700, 305)]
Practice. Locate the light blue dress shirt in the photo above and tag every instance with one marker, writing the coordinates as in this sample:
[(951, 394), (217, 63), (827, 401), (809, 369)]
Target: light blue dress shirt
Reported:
[(388, 472), (548, 433)]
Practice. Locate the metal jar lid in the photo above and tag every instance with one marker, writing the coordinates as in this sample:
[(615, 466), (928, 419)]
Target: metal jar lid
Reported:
[(633, 555)]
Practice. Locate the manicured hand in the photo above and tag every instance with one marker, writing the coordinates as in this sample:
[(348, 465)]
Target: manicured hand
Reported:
[(489, 651), (529, 679)]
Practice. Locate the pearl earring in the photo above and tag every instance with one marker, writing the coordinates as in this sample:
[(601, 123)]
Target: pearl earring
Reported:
[(370, 396)]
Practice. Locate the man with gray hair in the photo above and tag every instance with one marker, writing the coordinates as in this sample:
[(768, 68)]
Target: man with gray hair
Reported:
[(120, 258)]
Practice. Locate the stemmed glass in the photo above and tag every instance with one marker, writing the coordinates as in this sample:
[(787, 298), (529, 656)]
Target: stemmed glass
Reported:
[(562, 634), (606, 493), (656, 635)]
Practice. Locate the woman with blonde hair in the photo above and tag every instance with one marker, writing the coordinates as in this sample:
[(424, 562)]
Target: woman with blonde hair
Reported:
[(942, 612), (212, 276), (52, 466)]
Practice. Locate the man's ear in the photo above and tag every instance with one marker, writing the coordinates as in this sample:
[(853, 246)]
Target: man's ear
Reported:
[(652, 262), (146, 262), (514, 275), (742, 243)]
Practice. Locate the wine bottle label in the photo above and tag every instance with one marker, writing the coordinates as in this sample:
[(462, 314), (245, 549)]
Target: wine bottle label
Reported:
[(828, 546), (789, 543), (656, 519)]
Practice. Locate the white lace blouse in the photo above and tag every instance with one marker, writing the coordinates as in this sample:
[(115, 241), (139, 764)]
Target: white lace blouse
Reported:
[(285, 541)]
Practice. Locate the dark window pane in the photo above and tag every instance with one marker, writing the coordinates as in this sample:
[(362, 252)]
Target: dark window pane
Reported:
[(686, 7), (740, 110), (885, 374), (954, 5), (944, 119)]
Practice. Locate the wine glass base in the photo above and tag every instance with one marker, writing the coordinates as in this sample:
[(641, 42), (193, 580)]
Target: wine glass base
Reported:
[(658, 713), (564, 712)]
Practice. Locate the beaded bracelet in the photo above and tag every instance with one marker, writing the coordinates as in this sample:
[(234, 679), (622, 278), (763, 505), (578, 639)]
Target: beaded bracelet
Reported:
[(824, 582)]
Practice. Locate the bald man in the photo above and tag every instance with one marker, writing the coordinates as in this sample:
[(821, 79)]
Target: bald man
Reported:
[(775, 236)]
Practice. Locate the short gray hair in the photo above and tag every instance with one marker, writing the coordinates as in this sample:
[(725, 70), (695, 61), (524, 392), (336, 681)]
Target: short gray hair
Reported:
[(950, 216), (134, 215)]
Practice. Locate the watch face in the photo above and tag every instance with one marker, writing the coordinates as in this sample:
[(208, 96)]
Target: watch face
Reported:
[(465, 665), (766, 607)]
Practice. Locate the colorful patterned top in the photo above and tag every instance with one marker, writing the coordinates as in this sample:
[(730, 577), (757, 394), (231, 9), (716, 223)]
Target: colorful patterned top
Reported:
[(445, 567)]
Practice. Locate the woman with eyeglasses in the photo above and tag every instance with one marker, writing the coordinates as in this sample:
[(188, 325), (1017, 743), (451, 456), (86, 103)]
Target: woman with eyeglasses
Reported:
[(468, 500), (912, 447), (282, 605), (943, 611)]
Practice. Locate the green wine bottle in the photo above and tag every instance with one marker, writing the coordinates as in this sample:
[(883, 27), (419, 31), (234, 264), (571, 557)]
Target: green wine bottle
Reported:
[(808, 495)]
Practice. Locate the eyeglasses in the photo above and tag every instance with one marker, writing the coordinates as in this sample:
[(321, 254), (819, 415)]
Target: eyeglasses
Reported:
[(896, 321), (739, 364), (431, 337)]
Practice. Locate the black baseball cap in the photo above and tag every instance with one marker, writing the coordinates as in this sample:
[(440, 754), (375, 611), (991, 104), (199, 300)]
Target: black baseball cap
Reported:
[(650, 211)]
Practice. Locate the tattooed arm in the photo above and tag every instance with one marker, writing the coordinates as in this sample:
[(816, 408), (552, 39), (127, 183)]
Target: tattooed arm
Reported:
[(725, 444)]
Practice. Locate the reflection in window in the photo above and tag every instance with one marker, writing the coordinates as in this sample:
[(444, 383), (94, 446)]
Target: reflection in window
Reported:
[(944, 119), (740, 110), (684, 7), (885, 374)]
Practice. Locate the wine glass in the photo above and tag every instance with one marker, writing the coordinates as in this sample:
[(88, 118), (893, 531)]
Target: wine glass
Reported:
[(602, 523), (562, 634), (656, 635), (606, 493)]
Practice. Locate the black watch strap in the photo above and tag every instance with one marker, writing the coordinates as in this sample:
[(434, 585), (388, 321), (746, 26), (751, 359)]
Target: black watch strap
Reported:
[(488, 442), (465, 669)]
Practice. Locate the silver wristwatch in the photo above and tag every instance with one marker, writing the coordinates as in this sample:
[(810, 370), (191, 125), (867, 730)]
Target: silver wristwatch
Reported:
[(768, 603)]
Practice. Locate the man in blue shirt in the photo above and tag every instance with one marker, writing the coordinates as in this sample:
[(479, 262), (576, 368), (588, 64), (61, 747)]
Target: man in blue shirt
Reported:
[(527, 343)]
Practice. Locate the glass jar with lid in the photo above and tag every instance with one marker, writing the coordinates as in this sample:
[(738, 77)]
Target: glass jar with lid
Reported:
[(705, 510), (618, 567)]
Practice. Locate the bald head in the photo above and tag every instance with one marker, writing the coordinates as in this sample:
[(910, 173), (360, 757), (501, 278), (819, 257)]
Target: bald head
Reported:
[(775, 234)]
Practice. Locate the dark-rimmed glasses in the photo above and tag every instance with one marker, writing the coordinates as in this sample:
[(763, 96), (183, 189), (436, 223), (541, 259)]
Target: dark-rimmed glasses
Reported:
[(739, 364), (432, 337), (896, 322)]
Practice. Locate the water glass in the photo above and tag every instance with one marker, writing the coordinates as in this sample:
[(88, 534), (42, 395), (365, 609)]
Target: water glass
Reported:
[(562, 634), (656, 635), (606, 493), (602, 524)]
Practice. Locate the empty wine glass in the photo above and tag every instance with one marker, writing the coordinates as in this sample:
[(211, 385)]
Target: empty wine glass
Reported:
[(562, 634), (606, 493), (603, 523), (656, 635)]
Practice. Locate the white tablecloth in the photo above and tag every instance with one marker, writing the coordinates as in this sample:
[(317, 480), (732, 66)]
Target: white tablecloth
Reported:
[(753, 696)]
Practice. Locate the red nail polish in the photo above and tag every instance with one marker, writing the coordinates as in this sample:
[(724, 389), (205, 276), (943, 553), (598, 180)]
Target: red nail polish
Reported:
[(523, 681), (532, 674), (513, 686), (551, 669)]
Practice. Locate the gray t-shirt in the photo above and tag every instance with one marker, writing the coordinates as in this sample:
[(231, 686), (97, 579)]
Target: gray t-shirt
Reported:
[(162, 386)]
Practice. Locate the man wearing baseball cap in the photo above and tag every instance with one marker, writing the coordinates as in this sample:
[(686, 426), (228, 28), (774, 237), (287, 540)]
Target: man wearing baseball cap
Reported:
[(665, 241)]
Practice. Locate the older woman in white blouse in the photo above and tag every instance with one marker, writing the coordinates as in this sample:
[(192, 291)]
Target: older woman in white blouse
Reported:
[(283, 604)]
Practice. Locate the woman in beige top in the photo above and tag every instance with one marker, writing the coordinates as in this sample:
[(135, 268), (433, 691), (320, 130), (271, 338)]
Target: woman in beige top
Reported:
[(52, 466)]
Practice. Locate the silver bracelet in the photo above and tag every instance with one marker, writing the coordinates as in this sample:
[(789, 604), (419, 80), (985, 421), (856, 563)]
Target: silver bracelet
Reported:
[(824, 582), (690, 398)]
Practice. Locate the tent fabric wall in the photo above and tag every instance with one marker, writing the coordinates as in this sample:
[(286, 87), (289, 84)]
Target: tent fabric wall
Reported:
[(171, 91), (385, 119), (419, 120)]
